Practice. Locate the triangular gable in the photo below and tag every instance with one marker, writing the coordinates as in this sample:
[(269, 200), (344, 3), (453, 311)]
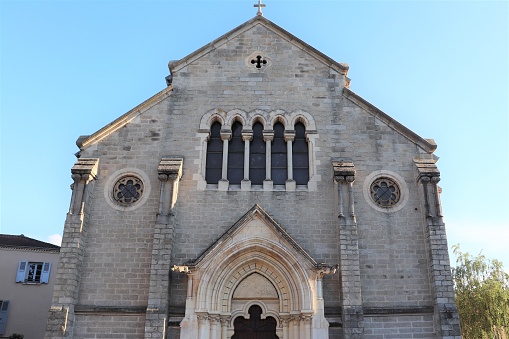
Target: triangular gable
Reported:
[(255, 212), (175, 66), (427, 145)]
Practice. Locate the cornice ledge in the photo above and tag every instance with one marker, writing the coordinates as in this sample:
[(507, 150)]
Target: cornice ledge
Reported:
[(84, 142), (428, 145)]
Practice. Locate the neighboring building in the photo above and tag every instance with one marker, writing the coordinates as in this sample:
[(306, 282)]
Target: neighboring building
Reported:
[(28, 270), (255, 196)]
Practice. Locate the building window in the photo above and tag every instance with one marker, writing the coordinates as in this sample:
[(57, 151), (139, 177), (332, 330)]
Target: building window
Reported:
[(385, 192), (4, 308), (127, 190), (279, 156), (236, 155), (257, 150), (214, 155), (33, 272), (300, 155), (257, 161)]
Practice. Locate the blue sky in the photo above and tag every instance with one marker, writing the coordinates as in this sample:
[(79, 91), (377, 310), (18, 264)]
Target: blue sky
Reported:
[(440, 68)]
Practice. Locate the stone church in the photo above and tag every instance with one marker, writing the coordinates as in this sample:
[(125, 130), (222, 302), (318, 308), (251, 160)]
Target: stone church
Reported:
[(256, 196)]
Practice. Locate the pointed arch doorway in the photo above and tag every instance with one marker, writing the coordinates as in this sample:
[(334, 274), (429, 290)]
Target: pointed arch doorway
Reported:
[(256, 265)]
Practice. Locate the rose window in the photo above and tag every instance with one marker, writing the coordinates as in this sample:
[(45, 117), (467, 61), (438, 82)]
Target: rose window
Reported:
[(127, 190), (385, 192)]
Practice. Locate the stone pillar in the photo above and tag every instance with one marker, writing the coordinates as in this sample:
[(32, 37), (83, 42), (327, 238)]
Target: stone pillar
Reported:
[(225, 320), (351, 296), (285, 322), (291, 328), (247, 136), (65, 296), (203, 325), (268, 137), (306, 320), (226, 135), (170, 172), (215, 326), (289, 138), (445, 312)]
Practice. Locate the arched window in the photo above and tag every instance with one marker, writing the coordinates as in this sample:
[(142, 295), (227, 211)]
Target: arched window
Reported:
[(257, 160), (300, 155), (279, 156), (236, 155), (214, 155)]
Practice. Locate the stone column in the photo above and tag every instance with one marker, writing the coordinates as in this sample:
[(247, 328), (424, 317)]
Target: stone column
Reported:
[(320, 325), (351, 296), (226, 135), (170, 172), (289, 138), (268, 137), (306, 325), (203, 325), (65, 296), (445, 312), (285, 322), (247, 136), (225, 320)]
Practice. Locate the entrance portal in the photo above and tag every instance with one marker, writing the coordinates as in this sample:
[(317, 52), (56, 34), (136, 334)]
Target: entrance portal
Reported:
[(255, 327)]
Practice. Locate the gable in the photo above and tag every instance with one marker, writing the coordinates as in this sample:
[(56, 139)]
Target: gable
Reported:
[(253, 24), (226, 69), (255, 226)]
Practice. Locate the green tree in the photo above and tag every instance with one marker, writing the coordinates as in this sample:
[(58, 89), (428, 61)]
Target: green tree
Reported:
[(482, 296)]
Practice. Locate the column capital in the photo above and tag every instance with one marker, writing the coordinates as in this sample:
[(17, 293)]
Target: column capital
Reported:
[(289, 135), (344, 170), (268, 135), (85, 167), (427, 170), (224, 319), (226, 134), (247, 134), (170, 169)]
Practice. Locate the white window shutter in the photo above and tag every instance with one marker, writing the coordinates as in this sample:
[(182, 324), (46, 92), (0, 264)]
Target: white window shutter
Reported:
[(4, 307), (45, 272), (22, 268)]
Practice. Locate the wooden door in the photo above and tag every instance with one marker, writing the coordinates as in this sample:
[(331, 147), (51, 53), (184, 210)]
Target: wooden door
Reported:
[(255, 327)]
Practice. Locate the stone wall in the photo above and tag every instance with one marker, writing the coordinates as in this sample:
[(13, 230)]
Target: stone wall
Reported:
[(394, 262)]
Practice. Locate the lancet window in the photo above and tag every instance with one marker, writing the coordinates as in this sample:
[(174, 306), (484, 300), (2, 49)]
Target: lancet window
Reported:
[(214, 155), (236, 155), (279, 156), (257, 156), (300, 155)]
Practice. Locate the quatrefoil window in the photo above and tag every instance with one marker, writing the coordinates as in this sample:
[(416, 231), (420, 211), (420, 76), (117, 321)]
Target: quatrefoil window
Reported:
[(385, 192), (259, 61), (127, 190)]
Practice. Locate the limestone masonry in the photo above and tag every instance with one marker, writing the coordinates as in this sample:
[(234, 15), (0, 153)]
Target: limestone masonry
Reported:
[(256, 196)]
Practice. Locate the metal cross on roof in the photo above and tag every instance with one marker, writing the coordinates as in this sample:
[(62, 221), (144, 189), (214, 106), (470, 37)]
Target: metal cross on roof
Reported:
[(259, 5)]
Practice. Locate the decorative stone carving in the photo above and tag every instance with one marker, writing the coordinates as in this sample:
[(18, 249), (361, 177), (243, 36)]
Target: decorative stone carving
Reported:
[(169, 173), (84, 171), (344, 175), (180, 269)]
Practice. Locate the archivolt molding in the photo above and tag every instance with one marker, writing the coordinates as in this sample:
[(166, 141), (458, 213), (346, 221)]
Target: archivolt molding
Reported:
[(268, 119), (225, 271)]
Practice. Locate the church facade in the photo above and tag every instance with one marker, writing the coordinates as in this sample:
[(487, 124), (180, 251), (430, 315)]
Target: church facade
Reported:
[(256, 196)]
